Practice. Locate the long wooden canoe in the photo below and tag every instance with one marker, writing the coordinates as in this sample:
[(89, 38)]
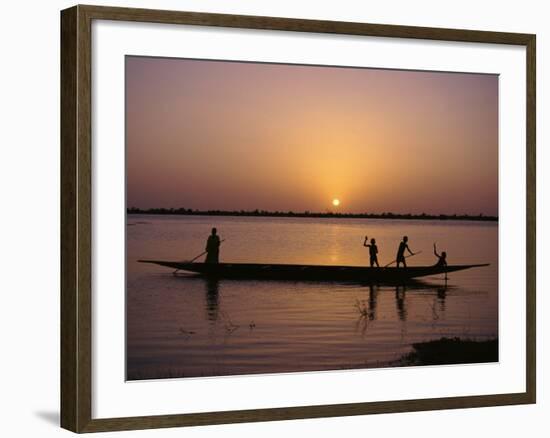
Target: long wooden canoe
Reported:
[(309, 272)]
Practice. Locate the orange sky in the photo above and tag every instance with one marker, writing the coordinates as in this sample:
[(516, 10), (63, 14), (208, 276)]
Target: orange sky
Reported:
[(232, 136)]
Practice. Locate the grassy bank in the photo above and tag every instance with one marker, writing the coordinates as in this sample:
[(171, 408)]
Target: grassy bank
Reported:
[(446, 351)]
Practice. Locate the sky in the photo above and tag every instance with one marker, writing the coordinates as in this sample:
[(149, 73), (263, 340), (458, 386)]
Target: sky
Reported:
[(242, 136)]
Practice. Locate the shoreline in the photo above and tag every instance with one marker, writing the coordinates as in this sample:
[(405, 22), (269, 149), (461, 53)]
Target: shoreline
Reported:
[(442, 351), (307, 214)]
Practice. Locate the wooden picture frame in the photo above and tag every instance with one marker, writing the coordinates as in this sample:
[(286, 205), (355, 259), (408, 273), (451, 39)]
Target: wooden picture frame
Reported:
[(76, 218)]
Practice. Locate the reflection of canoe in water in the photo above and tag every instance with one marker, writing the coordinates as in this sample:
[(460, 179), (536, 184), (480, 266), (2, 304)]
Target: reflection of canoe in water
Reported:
[(309, 272)]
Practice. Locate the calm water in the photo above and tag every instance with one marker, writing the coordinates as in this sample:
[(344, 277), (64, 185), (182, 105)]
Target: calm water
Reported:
[(185, 326)]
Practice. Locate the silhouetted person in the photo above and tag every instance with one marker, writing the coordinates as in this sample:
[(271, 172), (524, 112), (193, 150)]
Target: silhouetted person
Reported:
[(213, 247), (401, 252), (442, 258), (373, 251)]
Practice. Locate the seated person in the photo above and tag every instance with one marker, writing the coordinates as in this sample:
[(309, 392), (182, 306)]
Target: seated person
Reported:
[(442, 258)]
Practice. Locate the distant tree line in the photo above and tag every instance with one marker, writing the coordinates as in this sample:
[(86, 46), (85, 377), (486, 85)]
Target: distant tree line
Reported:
[(309, 214)]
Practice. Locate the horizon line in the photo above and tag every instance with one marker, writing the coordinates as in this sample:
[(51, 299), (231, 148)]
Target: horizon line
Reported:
[(308, 213)]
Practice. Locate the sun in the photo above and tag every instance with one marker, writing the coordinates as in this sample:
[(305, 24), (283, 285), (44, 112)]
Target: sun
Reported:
[(336, 202)]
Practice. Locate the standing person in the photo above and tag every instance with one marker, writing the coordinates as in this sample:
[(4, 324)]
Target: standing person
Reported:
[(401, 252), (213, 247), (373, 251), (441, 258)]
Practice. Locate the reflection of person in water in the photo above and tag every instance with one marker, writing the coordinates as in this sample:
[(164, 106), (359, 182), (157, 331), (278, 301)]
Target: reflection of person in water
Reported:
[(373, 298), (373, 251), (442, 258), (441, 295), (212, 298), (400, 302), (213, 247)]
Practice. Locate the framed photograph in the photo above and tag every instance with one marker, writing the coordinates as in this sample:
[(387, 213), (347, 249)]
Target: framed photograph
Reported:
[(270, 218)]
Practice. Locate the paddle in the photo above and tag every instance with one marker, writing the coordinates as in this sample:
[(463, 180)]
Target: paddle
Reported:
[(410, 255), (201, 254)]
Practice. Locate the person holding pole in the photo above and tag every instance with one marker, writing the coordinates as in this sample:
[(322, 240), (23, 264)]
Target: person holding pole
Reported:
[(401, 252)]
